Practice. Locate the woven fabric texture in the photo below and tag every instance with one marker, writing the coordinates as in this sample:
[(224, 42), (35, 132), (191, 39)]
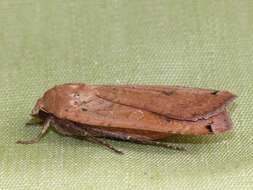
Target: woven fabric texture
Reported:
[(198, 43)]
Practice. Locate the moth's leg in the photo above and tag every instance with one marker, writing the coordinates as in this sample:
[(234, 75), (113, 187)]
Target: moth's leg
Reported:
[(135, 138), (34, 122), (103, 143), (72, 130), (45, 127), (154, 143), (84, 134)]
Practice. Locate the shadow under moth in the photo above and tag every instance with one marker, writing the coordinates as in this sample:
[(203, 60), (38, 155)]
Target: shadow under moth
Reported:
[(142, 114)]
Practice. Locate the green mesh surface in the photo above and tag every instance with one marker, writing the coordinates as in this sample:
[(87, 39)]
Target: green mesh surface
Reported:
[(195, 43)]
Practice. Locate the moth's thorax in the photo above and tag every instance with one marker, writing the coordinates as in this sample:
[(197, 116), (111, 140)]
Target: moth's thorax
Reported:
[(63, 98)]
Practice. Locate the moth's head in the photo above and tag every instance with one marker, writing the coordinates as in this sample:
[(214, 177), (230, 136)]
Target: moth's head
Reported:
[(47, 101), (36, 108), (58, 98)]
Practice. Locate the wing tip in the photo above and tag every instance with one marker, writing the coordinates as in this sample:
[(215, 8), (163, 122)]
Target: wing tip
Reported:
[(216, 111)]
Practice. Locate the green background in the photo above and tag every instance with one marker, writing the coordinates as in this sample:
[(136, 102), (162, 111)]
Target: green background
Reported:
[(197, 43)]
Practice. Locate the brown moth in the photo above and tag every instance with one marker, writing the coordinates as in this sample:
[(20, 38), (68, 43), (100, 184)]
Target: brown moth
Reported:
[(139, 113)]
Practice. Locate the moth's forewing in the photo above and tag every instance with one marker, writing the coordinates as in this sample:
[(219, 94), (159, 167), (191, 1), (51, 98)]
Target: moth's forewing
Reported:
[(79, 103), (173, 102)]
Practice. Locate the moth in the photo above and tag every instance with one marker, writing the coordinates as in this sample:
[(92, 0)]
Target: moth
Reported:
[(142, 114)]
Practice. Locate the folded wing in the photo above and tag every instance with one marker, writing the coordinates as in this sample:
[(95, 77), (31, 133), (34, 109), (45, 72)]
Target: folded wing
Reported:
[(179, 103), (80, 104)]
